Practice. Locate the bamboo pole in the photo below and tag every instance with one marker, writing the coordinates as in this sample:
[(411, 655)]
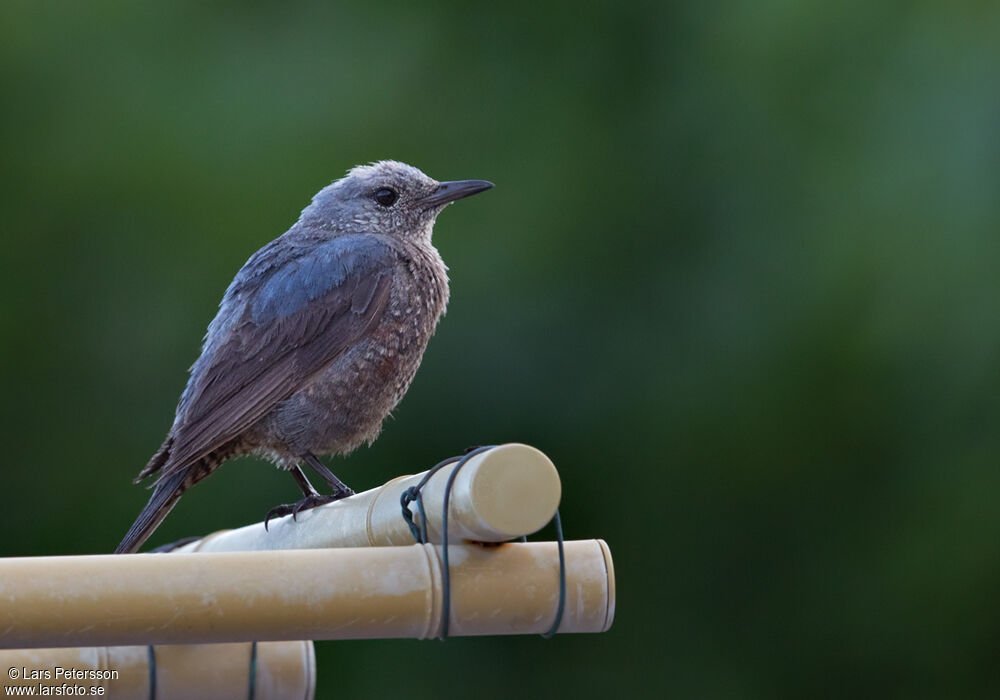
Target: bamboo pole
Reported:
[(277, 670), (503, 493), (356, 593)]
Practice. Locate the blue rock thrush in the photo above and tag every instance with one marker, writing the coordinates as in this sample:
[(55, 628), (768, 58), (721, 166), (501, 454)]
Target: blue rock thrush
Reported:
[(316, 340)]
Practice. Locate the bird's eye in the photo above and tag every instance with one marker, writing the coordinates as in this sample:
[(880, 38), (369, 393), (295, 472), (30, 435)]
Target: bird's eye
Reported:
[(386, 197)]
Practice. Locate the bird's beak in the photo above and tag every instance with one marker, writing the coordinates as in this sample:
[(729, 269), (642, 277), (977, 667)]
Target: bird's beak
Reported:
[(448, 192)]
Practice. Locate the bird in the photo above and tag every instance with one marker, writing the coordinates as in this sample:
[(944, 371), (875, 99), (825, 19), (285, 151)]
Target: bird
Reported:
[(316, 340)]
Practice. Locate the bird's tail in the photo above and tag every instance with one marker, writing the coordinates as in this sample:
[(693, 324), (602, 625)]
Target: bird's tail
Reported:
[(165, 496), (157, 461)]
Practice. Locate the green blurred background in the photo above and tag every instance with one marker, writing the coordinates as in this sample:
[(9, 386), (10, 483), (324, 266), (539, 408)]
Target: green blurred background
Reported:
[(738, 278)]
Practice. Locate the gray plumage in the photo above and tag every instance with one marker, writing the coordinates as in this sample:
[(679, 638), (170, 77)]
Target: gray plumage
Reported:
[(317, 337)]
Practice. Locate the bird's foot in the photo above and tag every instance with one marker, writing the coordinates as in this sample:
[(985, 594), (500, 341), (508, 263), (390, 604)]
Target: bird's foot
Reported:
[(310, 501)]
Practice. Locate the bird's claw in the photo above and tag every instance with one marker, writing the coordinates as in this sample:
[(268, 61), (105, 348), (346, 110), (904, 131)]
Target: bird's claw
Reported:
[(306, 503)]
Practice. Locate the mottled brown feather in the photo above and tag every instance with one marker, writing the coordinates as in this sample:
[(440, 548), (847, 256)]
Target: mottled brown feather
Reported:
[(250, 378)]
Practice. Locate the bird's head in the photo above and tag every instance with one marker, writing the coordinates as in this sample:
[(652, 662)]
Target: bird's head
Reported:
[(387, 197)]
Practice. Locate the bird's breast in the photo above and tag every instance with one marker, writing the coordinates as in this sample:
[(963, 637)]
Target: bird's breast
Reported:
[(345, 404)]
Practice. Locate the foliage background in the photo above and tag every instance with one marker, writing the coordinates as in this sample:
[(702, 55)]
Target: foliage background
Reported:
[(738, 278)]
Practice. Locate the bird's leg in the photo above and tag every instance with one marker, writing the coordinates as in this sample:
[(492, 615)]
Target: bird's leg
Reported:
[(310, 498), (340, 489), (303, 481)]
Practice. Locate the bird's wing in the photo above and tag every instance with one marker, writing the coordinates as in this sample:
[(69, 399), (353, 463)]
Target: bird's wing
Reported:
[(300, 318)]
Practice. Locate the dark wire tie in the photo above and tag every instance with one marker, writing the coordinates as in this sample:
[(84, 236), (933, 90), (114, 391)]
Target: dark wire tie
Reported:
[(253, 672), (415, 494), (151, 658)]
